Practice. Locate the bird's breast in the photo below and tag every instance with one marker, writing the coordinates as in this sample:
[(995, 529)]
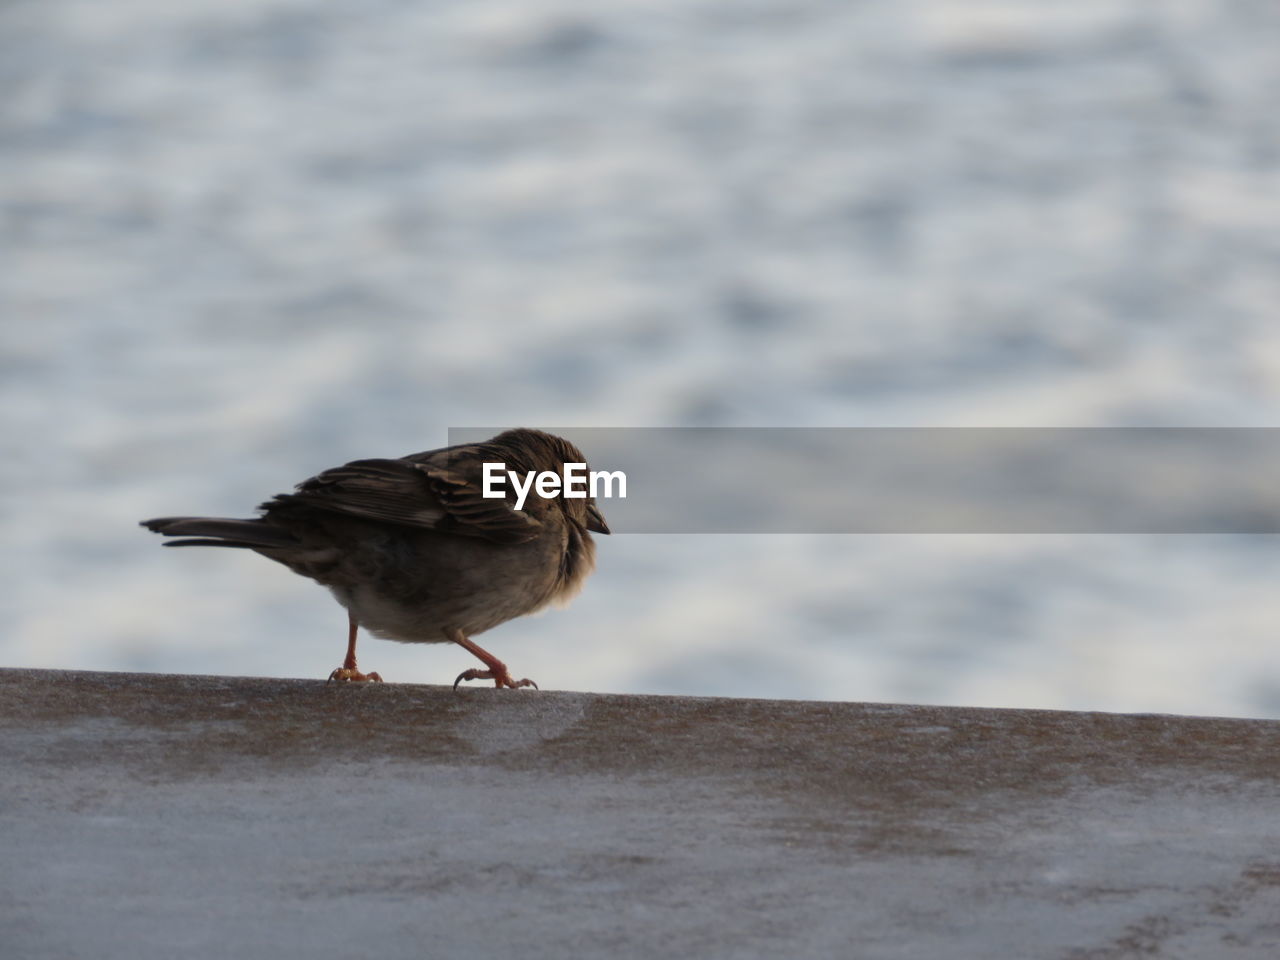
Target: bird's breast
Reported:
[(429, 586)]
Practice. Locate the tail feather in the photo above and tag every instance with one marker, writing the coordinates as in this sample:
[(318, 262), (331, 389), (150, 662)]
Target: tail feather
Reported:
[(220, 532)]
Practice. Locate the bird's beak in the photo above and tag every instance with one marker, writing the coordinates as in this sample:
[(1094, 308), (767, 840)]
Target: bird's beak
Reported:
[(595, 520)]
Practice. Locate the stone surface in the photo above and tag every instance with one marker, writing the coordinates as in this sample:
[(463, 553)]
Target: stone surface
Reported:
[(150, 815)]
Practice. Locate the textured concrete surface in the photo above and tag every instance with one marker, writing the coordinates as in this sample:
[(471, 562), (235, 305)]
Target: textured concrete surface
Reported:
[(163, 816)]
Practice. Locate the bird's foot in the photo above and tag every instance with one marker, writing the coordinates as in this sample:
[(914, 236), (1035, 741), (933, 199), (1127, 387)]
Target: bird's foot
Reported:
[(501, 678), (352, 675)]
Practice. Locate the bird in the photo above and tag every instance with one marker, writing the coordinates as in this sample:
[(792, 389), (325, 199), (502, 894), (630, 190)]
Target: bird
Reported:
[(415, 551)]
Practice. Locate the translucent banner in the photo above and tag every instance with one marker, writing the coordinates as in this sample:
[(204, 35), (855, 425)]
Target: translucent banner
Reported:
[(933, 480)]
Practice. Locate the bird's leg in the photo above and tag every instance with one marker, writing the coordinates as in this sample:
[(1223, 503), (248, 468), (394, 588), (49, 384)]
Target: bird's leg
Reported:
[(348, 672), (497, 671)]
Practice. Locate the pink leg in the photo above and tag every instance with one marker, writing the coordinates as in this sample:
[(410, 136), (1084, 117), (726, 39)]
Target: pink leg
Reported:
[(497, 671), (347, 673)]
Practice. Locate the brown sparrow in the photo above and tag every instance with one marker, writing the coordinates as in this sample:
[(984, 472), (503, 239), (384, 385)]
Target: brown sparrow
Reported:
[(415, 551)]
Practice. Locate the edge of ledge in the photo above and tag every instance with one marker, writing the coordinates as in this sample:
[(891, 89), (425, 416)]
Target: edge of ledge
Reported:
[(9, 675)]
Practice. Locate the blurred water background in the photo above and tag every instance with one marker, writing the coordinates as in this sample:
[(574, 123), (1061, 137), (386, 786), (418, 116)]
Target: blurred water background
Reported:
[(245, 241)]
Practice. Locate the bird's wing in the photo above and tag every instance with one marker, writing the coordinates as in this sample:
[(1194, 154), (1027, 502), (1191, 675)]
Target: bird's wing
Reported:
[(436, 491)]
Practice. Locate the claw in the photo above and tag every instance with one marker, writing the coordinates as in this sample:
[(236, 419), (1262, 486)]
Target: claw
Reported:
[(497, 670), (500, 680), (347, 675)]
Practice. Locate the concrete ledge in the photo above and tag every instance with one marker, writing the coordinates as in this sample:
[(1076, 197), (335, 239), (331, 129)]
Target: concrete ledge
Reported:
[(164, 816)]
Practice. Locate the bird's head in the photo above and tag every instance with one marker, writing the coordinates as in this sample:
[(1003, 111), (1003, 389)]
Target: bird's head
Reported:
[(540, 452)]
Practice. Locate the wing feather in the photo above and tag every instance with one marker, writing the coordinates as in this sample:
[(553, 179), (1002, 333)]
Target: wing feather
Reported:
[(439, 490)]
